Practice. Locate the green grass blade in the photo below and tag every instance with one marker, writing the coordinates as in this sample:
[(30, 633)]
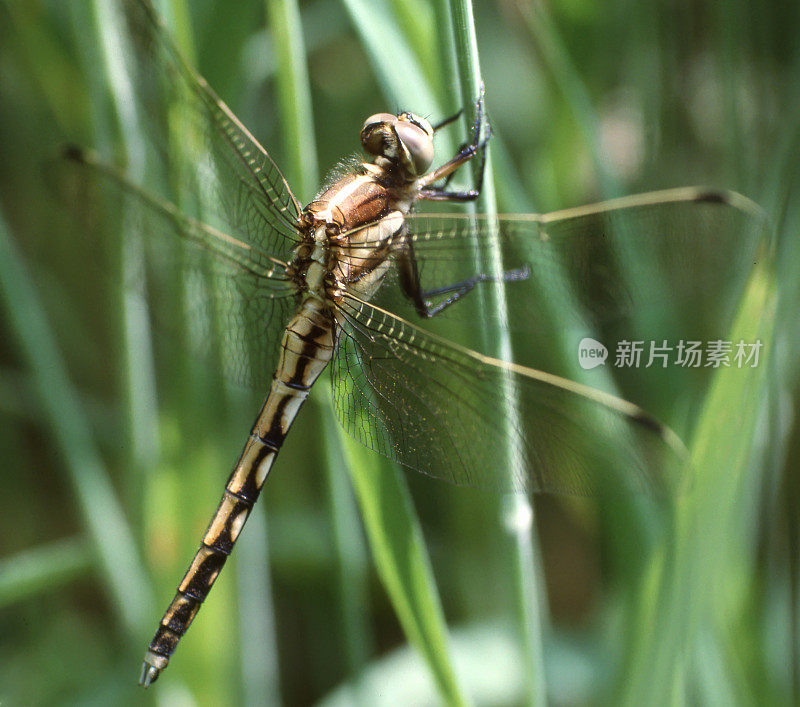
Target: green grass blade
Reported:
[(393, 531), (398, 549), (300, 148), (515, 511), (350, 551), (42, 569), (108, 75), (399, 72), (294, 97), (259, 643), (568, 81), (100, 510), (415, 21)]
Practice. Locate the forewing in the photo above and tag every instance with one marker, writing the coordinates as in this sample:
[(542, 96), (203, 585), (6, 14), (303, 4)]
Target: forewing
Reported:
[(212, 166), (229, 300), (653, 266)]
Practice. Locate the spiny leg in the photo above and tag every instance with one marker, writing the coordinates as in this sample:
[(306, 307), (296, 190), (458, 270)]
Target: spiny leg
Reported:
[(467, 151), (460, 289), (409, 283), (447, 121)]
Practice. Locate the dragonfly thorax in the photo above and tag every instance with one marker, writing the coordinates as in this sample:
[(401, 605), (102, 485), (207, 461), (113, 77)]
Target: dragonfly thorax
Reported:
[(347, 248), (349, 231)]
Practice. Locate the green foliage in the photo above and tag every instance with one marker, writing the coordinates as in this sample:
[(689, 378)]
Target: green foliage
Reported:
[(114, 448)]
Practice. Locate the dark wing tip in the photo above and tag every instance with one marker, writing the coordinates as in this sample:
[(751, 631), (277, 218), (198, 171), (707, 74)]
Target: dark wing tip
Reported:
[(664, 432), (73, 152), (726, 197), (648, 421), (708, 195)]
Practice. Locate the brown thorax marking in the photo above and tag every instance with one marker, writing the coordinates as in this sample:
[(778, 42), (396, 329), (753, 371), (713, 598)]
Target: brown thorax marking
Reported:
[(349, 230)]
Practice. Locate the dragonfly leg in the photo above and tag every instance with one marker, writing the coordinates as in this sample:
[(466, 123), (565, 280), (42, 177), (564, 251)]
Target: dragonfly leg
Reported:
[(410, 284), (481, 132), (452, 119), (460, 289)]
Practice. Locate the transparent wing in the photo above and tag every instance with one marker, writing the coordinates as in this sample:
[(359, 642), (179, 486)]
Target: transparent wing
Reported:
[(213, 167), (233, 299), (649, 265), (654, 268), (453, 414)]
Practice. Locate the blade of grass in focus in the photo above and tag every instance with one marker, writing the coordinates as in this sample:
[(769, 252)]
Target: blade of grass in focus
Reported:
[(515, 511)]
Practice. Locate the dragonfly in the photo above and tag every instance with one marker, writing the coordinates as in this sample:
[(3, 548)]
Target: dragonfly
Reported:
[(385, 297)]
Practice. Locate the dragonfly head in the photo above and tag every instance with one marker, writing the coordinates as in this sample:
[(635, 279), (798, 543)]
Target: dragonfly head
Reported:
[(404, 140)]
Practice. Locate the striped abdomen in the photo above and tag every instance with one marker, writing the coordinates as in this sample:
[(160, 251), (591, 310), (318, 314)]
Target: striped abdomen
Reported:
[(307, 347)]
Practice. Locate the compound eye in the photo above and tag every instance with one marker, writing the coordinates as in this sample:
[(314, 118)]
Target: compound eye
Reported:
[(376, 130), (418, 144)]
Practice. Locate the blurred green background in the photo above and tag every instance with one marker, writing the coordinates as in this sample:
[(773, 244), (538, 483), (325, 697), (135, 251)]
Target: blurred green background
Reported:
[(113, 456)]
